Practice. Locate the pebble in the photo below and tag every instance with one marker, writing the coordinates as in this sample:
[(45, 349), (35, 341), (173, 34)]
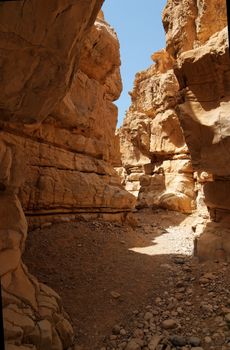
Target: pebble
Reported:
[(184, 316), (115, 295), (169, 324), (208, 340), (194, 341), (116, 329), (148, 316), (178, 340), (133, 345)]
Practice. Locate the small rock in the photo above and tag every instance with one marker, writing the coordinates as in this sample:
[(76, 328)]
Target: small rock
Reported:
[(209, 276), (227, 318), (169, 324), (179, 260), (178, 340), (158, 301), (194, 341), (115, 295), (148, 316), (113, 337), (208, 340), (155, 340), (123, 331), (133, 345), (116, 330)]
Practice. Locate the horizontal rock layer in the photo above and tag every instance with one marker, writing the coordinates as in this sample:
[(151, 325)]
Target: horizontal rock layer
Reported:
[(59, 78), (69, 155)]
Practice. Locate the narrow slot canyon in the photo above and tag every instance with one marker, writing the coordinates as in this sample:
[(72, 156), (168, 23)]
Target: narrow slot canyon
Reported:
[(114, 238)]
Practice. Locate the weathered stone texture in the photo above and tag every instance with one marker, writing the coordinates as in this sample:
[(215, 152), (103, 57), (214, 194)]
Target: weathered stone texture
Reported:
[(202, 69), (57, 121), (189, 24), (183, 98), (154, 154), (25, 301), (40, 48), (70, 154)]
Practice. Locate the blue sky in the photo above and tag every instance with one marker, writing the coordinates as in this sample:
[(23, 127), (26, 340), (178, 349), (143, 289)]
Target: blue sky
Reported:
[(140, 32)]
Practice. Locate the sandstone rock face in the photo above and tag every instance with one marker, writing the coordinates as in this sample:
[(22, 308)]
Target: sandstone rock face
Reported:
[(32, 312), (70, 154), (180, 107), (154, 154), (59, 78), (187, 103), (157, 165), (189, 24), (202, 69), (44, 41), (203, 74)]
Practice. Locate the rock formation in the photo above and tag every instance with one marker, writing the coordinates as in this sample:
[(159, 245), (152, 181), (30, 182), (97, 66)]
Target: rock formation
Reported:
[(154, 154), (70, 149), (59, 78), (202, 70), (184, 98)]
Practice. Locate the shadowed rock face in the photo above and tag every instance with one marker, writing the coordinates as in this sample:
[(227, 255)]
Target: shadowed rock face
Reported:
[(59, 78), (202, 68), (204, 79), (40, 49)]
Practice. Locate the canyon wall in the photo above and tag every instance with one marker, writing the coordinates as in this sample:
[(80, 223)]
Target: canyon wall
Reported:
[(156, 163), (69, 150), (175, 136), (59, 78), (202, 70)]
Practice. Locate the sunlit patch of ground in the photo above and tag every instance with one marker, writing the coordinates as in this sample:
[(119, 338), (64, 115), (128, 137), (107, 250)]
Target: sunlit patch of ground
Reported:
[(174, 240)]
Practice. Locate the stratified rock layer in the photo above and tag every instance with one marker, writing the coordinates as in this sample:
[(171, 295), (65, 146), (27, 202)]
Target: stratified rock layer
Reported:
[(59, 78), (69, 154), (185, 96), (202, 69), (154, 154)]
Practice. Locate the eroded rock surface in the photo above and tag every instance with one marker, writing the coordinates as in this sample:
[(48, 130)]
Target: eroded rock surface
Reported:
[(69, 154), (202, 69), (32, 312), (59, 78), (179, 107), (155, 157), (189, 24)]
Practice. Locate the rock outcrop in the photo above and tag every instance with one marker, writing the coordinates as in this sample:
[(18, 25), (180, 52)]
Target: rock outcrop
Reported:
[(202, 69), (59, 78), (203, 74), (180, 108), (70, 151), (154, 154), (189, 24)]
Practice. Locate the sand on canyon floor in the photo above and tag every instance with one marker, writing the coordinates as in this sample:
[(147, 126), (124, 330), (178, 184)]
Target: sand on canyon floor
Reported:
[(111, 274)]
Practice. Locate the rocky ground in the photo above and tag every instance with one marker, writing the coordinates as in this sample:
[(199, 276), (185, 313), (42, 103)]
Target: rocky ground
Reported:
[(135, 287)]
